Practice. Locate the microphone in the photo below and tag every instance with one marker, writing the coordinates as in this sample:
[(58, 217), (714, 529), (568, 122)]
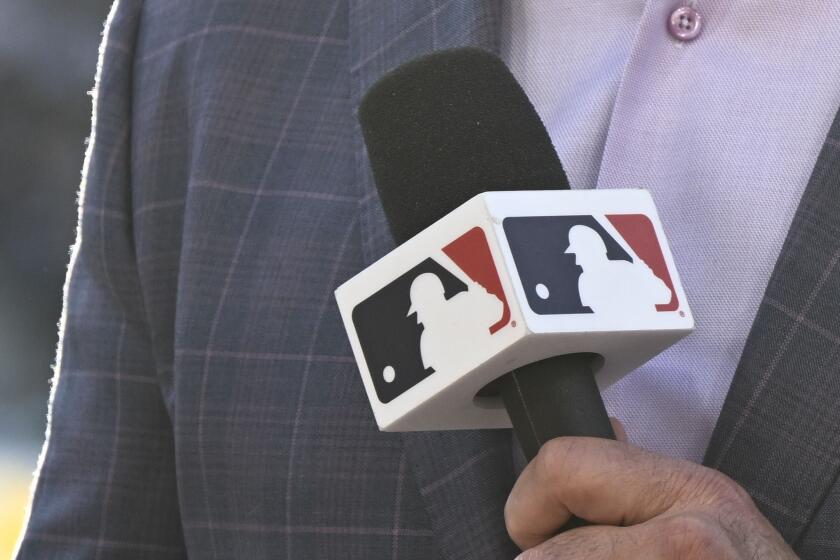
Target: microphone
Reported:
[(509, 298), (440, 130)]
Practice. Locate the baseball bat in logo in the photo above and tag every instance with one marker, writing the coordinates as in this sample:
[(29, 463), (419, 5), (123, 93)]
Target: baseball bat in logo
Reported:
[(572, 264), (432, 317)]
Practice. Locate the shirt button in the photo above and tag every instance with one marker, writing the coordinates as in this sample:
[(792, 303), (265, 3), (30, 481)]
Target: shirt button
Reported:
[(684, 23)]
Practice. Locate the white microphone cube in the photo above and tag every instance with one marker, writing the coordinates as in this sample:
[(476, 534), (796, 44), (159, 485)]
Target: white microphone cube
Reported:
[(506, 279)]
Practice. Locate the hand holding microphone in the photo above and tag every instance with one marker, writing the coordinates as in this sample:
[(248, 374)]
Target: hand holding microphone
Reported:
[(642, 506)]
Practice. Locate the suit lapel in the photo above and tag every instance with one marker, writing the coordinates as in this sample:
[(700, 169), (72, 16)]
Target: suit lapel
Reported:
[(778, 434), (465, 476)]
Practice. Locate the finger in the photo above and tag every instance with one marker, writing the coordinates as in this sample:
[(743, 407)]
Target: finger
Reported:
[(595, 543), (588, 543), (602, 481), (618, 428), (668, 537)]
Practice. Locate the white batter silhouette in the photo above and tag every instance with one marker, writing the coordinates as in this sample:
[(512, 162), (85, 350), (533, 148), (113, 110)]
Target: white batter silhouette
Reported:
[(613, 286), (456, 329)]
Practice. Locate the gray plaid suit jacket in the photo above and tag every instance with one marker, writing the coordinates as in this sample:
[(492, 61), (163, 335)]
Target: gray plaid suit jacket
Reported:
[(206, 403)]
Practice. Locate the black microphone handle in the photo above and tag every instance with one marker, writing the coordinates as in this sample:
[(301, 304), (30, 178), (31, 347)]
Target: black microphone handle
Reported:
[(552, 398)]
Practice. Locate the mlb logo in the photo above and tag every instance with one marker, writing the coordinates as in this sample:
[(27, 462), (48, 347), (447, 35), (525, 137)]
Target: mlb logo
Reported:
[(573, 264), (452, 300), (506, 279)]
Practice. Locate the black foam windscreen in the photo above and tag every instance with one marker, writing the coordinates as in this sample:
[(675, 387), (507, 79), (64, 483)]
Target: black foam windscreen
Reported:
[(445, 127)]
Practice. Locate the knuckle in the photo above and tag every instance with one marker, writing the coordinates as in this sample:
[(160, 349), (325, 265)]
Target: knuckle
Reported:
[(553, 452), (517, 525), (556, 457), (715, 488), (512, 522), (731, 490), (727, 494), (696, 536)]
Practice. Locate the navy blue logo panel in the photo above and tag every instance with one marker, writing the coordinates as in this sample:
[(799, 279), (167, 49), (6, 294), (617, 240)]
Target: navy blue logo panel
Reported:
[(547, 261), (390, 335)]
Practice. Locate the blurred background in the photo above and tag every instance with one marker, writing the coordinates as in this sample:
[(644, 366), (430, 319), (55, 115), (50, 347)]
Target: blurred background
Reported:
[(48, 52)]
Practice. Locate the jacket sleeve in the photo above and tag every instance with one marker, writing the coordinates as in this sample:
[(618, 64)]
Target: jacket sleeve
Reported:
[(105, 485)]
